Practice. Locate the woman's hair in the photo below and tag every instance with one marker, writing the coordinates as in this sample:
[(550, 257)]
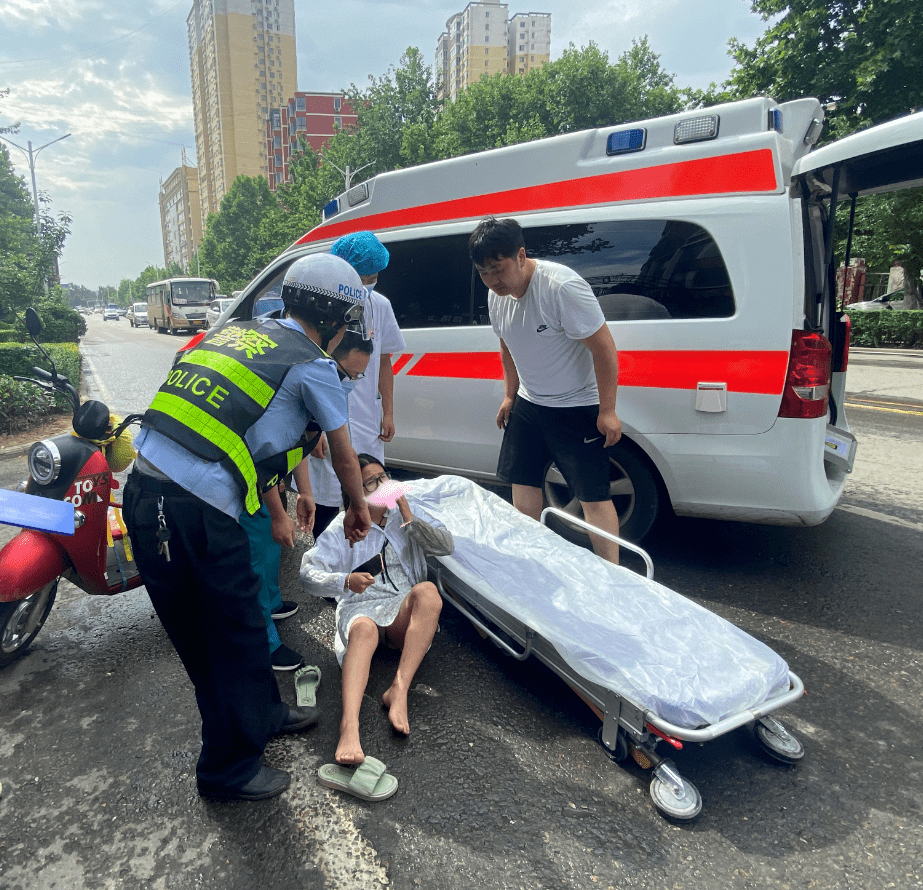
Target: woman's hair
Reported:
[(364, 461)]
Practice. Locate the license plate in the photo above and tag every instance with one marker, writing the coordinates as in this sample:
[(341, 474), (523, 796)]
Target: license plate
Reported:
[(840, 448)]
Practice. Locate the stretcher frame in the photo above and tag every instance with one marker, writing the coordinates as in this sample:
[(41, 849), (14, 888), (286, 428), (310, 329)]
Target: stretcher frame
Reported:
[(627, 728)]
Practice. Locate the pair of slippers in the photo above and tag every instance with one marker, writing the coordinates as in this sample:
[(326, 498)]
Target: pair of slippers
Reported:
[(368, 781)]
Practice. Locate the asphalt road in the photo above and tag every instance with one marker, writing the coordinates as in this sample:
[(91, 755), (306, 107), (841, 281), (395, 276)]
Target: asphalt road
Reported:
[(502, 784)]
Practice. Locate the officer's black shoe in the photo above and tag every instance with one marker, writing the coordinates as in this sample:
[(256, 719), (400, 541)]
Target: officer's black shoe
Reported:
[(286, 610), (268, 782), (298, 719), (285, 659)]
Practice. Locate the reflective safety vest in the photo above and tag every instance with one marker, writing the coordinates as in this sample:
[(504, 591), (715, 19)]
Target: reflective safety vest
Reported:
[(219, 389)]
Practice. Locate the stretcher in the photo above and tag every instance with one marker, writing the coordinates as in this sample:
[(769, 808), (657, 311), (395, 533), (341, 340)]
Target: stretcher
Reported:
[(657, 668)]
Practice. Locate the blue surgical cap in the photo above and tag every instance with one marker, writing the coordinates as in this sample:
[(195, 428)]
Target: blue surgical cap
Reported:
[(363, 251)]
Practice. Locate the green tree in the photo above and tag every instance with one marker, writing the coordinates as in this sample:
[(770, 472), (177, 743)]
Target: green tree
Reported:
[(229, 251), (860, 57), (581, 90)]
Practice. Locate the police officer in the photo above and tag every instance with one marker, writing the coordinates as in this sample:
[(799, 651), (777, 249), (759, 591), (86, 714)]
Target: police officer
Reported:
[(231, 415)]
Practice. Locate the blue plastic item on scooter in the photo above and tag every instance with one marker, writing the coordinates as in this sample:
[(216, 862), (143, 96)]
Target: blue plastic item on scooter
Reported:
[(41, 514)]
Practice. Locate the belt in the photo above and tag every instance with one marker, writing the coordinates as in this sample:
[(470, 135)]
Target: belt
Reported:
[(157, 486)]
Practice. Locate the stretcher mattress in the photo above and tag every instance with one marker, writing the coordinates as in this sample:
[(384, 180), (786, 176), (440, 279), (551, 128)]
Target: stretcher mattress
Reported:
[(615, 628)]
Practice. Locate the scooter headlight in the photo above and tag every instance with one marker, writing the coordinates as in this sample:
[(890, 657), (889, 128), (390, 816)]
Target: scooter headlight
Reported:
[(44, 462)]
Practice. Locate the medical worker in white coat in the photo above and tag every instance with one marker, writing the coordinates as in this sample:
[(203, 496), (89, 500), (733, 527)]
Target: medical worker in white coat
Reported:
[(371, 402)]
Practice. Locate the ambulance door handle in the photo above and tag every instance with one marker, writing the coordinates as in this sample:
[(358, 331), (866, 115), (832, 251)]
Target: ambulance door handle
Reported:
[(711, 398)]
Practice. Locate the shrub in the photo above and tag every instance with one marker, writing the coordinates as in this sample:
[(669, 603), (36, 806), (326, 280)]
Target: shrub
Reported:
[(20, 358), (896, 327), (61, 323), (21, 404)]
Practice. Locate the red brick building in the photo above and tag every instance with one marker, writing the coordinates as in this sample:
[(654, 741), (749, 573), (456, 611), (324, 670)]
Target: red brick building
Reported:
[(314, 116)]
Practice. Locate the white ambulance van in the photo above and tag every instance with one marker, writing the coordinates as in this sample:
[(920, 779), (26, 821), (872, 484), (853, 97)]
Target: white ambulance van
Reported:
[(707, 237)]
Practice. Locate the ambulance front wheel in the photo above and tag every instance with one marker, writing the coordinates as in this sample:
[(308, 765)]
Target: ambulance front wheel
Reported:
[(633, 487)]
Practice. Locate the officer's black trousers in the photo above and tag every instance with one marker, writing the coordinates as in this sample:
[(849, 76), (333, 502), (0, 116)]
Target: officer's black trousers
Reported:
[(207, 598)]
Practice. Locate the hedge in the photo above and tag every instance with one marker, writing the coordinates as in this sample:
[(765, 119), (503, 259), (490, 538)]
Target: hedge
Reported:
[(19, 359), (21, 403), (889, 327)]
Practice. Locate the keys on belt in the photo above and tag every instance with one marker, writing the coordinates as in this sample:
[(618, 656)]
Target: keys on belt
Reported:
[(163, 533)]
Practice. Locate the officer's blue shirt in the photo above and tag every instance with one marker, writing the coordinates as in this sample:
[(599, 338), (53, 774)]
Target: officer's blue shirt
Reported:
[(309, 390)]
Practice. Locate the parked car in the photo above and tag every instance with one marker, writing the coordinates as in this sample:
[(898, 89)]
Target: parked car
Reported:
[(894, 300), (137, 315), (216, 308), (111, 312)]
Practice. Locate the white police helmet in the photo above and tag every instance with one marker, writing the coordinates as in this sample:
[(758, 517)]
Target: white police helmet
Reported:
[(330, 291)]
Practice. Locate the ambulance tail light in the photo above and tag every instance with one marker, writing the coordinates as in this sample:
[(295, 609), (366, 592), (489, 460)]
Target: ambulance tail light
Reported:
[(807, 383)]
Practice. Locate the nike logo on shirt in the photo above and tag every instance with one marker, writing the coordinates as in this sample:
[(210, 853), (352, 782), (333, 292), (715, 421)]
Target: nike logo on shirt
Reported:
[(587, 441), (540, 328)]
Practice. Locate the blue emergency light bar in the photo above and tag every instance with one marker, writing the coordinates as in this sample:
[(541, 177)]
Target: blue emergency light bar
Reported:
[(626, 141), (332, 208), (775, 119)]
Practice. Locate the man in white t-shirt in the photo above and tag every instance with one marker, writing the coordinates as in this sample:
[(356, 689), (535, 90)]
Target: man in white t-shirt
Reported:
[(560, 375), (371, 401)]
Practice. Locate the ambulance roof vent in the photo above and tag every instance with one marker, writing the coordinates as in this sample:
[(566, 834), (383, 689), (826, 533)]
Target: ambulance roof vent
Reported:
[(626, 141), (696, 129)]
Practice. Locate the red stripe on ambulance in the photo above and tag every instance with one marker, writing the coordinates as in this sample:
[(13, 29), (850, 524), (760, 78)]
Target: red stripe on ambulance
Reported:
[(748, 171), (760, 372)]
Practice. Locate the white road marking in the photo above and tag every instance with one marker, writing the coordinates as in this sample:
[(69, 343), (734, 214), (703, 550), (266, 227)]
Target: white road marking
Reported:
[(881, 517)]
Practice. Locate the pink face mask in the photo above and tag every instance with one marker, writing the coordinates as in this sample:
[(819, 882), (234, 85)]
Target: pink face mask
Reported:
[(387, 494)]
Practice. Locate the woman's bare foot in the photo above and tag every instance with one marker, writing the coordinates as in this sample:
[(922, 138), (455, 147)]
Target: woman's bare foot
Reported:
[(395, 700), (349, 749)]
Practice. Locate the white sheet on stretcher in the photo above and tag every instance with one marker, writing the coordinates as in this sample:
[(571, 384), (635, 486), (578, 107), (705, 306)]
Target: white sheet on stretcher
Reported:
[(613, 627)]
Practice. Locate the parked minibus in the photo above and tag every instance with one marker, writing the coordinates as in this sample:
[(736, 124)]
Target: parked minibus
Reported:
[(177, 304), (708, 238)]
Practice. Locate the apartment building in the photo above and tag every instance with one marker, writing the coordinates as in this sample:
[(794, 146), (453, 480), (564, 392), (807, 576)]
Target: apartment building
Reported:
[(180, 215), (242, 61), (313, 116), (481, 39), (528, 42)]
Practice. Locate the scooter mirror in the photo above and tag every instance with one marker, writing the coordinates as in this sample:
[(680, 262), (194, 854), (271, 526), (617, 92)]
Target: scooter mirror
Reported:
[(33, 322)]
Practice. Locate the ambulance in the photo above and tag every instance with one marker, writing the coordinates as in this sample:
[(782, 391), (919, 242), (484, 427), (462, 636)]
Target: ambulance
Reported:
[(707, 237)]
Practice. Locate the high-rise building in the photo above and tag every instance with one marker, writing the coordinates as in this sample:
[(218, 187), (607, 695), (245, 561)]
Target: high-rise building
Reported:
[(243, 63), (480, 40), (528, 42), (314, 116), (180, 215)]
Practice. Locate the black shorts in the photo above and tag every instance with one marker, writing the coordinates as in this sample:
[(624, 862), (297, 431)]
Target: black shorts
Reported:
[(536, 435)]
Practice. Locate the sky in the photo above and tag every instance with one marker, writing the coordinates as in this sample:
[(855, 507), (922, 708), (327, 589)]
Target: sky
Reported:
[(115, 75)]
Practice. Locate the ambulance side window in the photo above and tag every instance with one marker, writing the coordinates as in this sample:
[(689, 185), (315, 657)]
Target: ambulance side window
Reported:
[(642, 269), (429, 282)]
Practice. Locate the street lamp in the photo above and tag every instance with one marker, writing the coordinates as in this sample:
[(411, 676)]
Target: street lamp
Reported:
[(348, 173), (32, 155)]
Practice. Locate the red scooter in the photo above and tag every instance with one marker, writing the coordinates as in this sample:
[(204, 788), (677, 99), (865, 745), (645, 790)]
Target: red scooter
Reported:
[(71, 527)]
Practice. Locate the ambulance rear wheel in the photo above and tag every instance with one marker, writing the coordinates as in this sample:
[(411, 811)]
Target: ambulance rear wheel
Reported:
[(632, 486), (676, 807), (21, 620)]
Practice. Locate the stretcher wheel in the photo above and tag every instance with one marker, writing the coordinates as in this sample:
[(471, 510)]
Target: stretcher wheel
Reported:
[(678, 808), (777, 741)]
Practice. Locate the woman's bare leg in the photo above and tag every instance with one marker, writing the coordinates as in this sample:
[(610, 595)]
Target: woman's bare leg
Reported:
[(361, 646), (413, 631)]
